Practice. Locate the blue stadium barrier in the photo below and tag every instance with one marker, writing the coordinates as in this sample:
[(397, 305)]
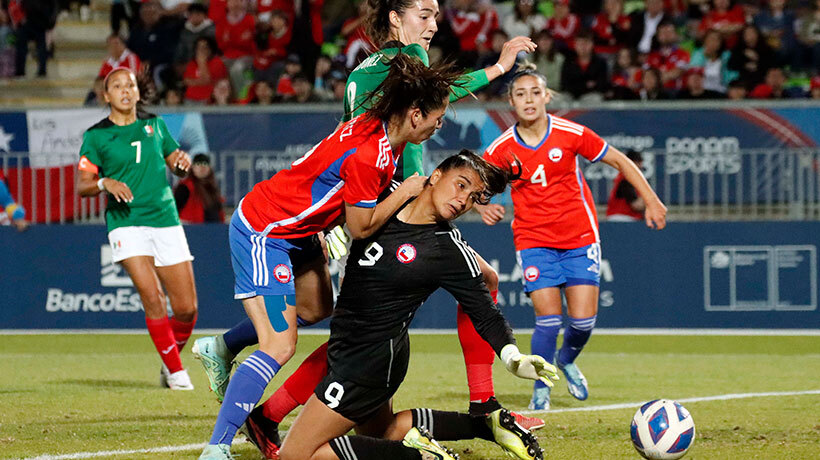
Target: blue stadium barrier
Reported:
[(759, 275)]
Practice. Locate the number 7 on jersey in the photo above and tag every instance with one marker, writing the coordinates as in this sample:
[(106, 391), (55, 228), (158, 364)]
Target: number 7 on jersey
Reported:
[(138, 145)]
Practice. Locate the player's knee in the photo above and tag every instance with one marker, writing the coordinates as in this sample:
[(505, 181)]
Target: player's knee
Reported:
[(153, 302), (281, 351), (490, 277)]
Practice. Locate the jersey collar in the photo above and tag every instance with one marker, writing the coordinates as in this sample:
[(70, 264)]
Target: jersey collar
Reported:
[(524, 144)]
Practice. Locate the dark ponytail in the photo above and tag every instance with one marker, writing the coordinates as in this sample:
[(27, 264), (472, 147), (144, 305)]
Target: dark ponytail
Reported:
[(409, 84), (377, 18), (495, 178)]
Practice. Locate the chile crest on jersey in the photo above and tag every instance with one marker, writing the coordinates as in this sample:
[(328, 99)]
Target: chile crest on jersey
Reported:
[(406, 253)]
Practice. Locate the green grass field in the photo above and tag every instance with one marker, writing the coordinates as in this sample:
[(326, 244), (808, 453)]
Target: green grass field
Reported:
[(67, 394)]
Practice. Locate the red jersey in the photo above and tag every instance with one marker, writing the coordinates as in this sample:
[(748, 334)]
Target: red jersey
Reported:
[(717, 19), (553, 203), (237, 40), (564, 30), (217, 10), (604, 30), (217, 70), (127, 59), (276, 51), (472, 28), (353, 165), (669, 58)]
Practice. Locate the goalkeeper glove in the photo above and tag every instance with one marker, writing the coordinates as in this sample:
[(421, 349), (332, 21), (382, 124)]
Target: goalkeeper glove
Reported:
[(338, 242), (531, 367)]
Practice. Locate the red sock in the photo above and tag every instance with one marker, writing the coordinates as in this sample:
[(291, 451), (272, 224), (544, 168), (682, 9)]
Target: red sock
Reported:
[(478, 358), (182, 331), (298, 387), (163, 337)]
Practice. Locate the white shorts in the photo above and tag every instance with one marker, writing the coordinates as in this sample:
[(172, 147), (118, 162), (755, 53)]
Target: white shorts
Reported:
[(167, 245)]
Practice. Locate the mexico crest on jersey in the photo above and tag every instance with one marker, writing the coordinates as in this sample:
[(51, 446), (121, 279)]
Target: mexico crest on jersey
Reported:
[(149, 131), (531, 273), (406, 253), (282, 273)]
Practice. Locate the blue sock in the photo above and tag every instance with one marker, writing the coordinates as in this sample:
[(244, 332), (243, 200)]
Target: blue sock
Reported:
[(246, 388), (575, 337), (544, 338), (240, 336), (303, 322)]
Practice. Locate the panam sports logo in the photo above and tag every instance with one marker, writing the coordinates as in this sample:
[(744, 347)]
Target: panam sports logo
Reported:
[(123, 299)]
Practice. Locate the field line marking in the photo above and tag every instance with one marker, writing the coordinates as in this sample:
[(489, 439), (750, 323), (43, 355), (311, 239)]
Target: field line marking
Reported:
[(725, 397), (84, 455)]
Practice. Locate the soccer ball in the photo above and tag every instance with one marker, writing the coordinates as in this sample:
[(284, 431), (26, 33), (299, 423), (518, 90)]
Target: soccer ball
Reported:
[(662, 430)]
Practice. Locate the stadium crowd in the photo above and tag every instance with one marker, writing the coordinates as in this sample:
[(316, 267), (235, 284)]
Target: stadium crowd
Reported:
[(271, 51)]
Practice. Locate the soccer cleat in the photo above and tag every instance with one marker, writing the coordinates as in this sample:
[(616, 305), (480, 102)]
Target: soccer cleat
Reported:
[(180, 381), (216, 362), (263, 433), (540, 399), (576, 382), (528, 423), (421, 440), (512, 437), (216, 452)]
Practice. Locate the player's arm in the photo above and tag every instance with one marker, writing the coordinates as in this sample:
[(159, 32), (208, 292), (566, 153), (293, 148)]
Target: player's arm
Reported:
[(655, 213), (90, 183), (467, 286), (363, 221), (474, 81)]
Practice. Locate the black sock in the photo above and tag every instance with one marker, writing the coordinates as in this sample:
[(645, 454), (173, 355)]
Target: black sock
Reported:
[(484, 408), (451, 426), (367, 448)]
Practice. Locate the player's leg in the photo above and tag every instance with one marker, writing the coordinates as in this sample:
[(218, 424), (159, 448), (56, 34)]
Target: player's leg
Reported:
[(275, 322), (542, 278), (142, 272), (262, 426), (173, 264), (478, 354), (582, 268)]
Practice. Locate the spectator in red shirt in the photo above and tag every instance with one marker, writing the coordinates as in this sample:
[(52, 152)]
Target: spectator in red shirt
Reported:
[(198, 197), (217, 9), (118, 56), (624, 204), (773, 86), (267, 62), (563, 26), (611, 28), (726, 19), (668, 57), (235, 37), (265, 9), (202, 73), (284, 87), (472, 22)]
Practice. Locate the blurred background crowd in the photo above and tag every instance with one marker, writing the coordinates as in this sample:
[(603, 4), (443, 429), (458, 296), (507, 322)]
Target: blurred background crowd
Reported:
[(295, 51)]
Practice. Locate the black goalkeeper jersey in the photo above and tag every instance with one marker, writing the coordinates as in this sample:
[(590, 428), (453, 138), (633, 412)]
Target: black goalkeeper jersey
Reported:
[(387, 278)]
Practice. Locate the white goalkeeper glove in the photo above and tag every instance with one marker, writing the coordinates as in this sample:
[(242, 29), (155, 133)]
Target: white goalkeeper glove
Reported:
[(531, 367), (338, 242)]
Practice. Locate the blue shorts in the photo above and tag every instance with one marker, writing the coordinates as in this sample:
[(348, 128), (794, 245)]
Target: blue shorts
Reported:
[(265, 266), (549, 267)]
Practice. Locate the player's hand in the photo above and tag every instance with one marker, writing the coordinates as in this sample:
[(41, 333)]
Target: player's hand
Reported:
[(182, 162), (338, 242), (118, 190), (511, 49), (531, 367), (413, 185), (655, 215), (492, 213)]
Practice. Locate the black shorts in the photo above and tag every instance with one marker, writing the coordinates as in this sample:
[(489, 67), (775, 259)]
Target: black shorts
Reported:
[(308, 249), (352, 400)]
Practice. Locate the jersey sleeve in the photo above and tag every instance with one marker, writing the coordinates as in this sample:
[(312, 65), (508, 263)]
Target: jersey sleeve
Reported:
[(90, 160), (169, 144), (468, 83), (362, 180), (461, 277), (591, 146)]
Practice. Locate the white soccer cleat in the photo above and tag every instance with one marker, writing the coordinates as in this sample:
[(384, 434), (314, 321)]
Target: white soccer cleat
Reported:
[(180, 381)]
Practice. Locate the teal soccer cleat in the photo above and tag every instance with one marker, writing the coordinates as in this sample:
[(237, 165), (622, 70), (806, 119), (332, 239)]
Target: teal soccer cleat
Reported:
[(540, 399), (217, 361), (576, 382), (216, 452)]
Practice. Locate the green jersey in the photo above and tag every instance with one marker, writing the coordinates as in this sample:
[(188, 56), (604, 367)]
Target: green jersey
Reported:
[(135, 155), (372, 71)]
